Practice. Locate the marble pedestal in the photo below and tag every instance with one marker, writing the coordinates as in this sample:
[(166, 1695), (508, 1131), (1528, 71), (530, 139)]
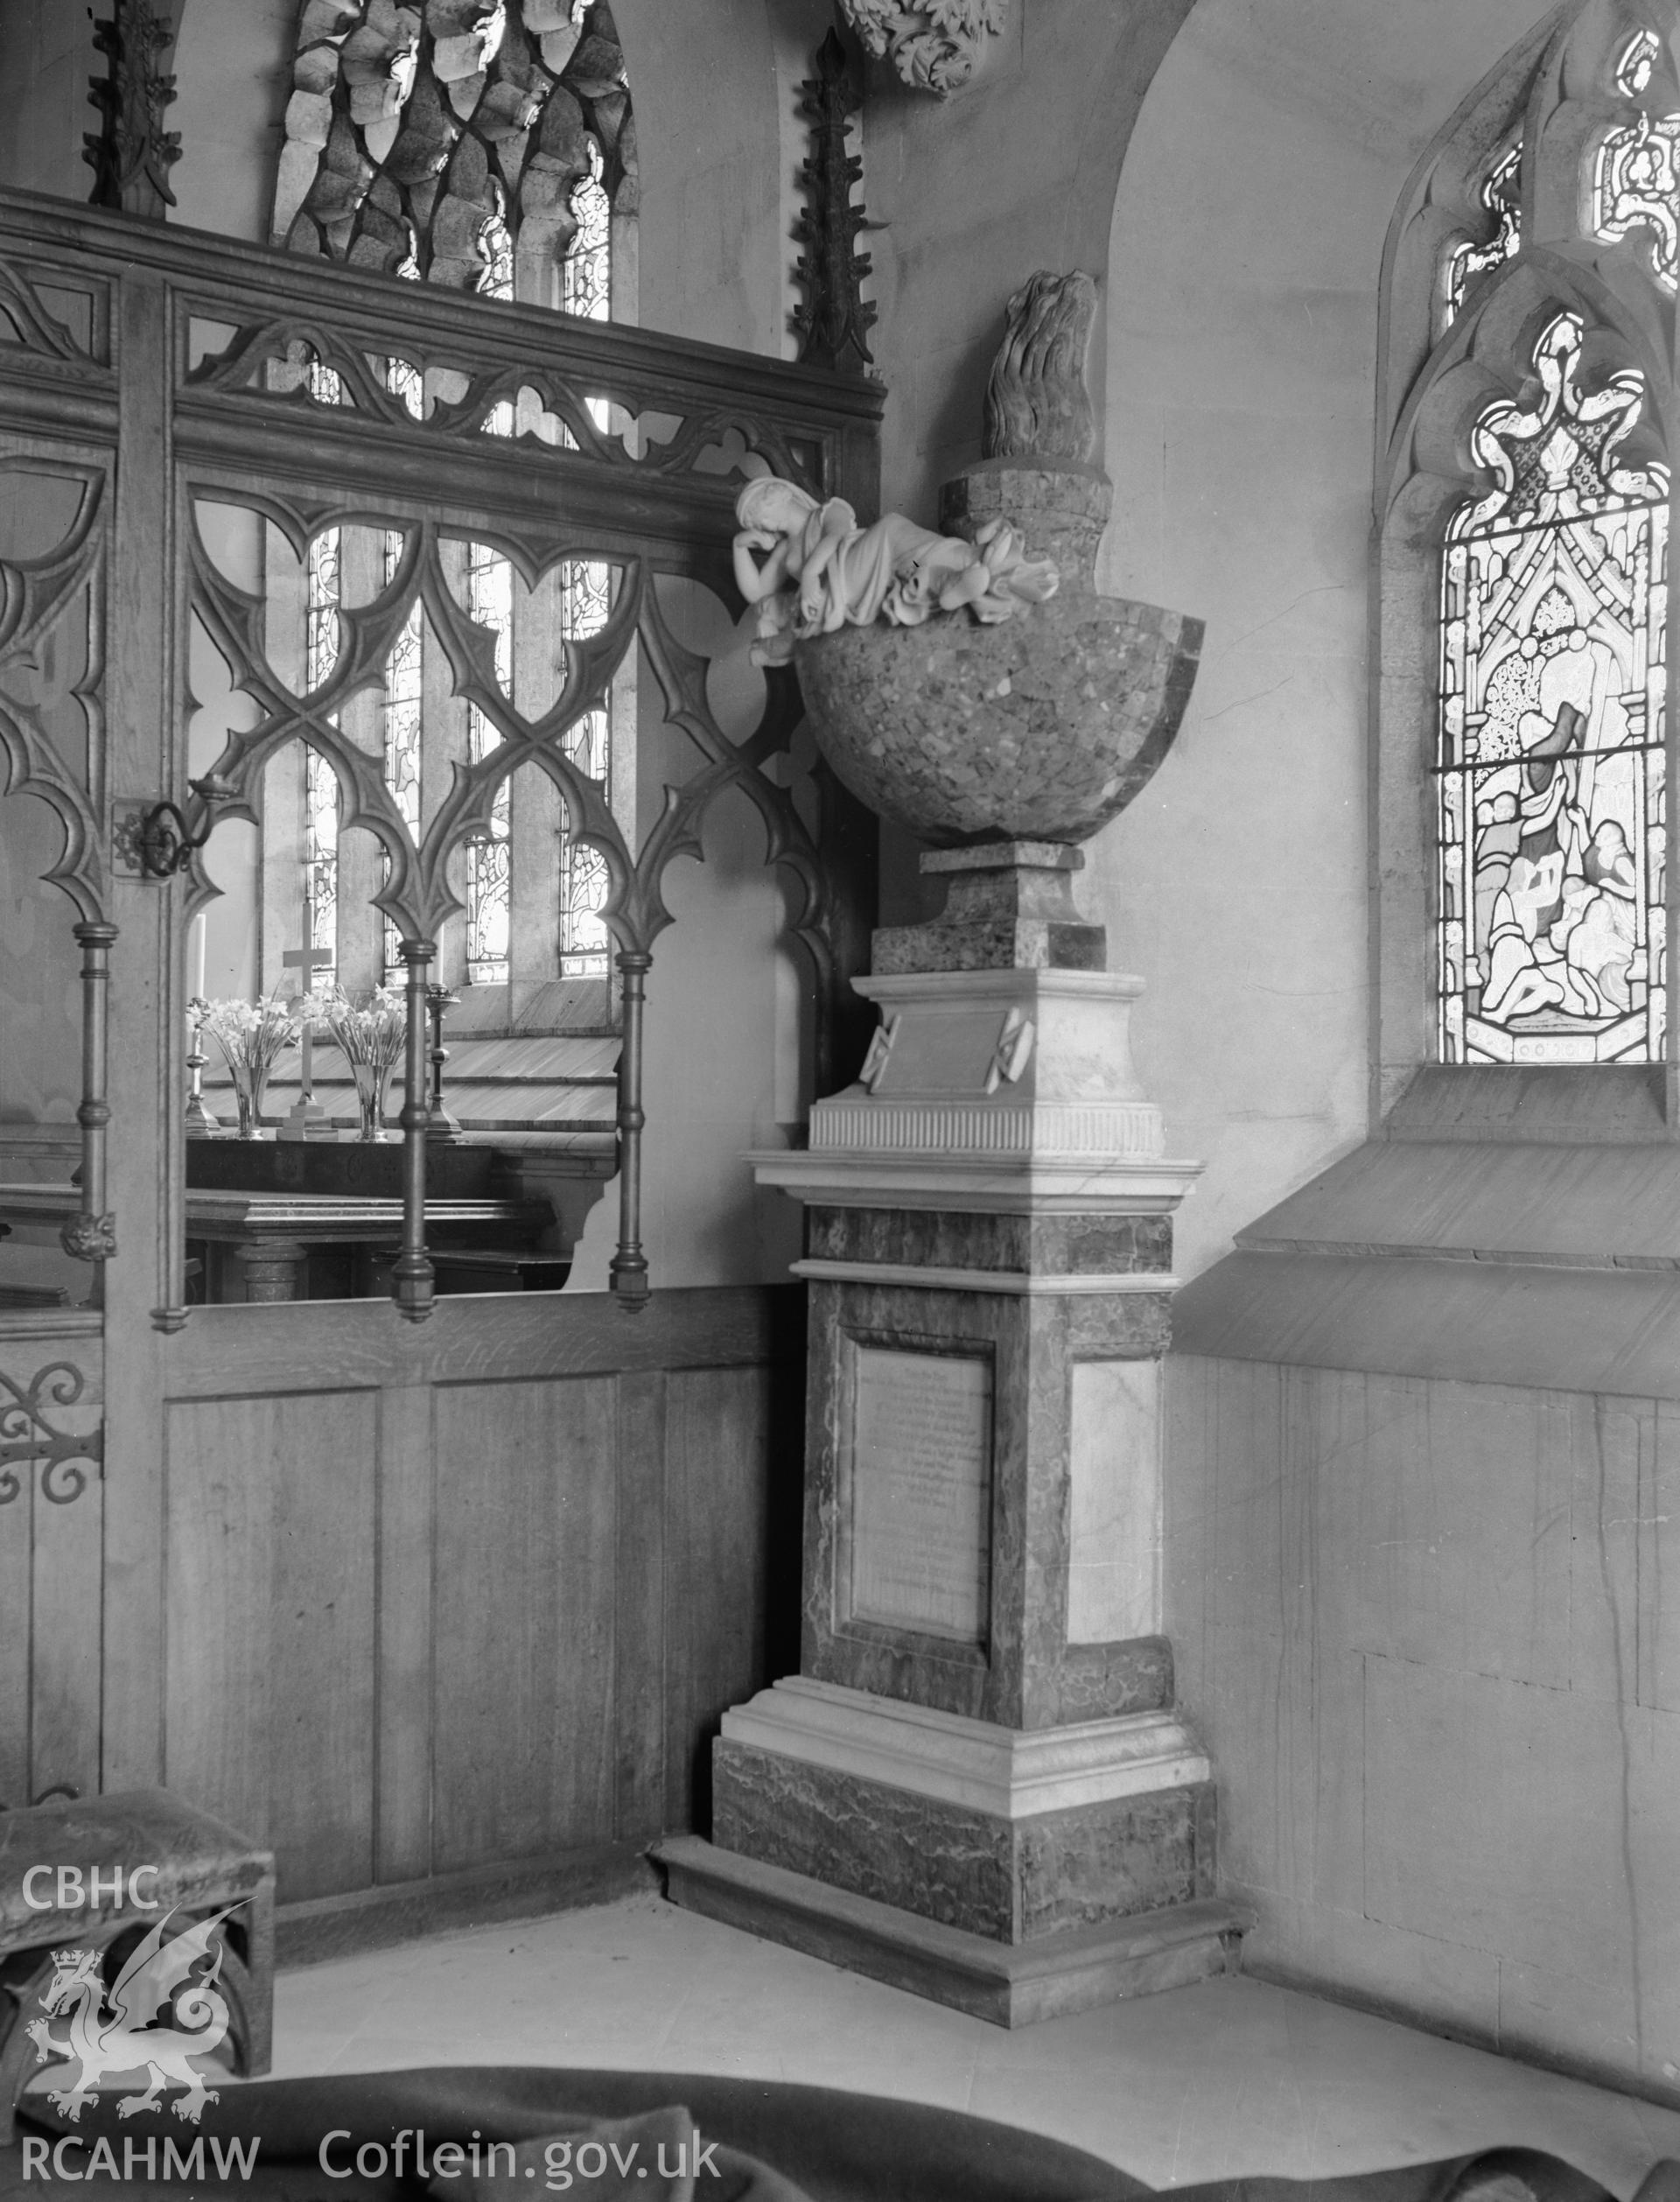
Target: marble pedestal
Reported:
[(978, 1786)]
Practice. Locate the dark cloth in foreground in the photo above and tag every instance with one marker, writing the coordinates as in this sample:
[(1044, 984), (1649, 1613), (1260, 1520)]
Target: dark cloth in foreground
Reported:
[(776, 2142)]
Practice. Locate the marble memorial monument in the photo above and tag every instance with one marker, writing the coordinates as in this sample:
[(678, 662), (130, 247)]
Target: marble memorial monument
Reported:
[(978, 1786)]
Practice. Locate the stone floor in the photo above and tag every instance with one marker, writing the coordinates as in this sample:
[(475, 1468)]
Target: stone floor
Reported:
[(1227, 2078)]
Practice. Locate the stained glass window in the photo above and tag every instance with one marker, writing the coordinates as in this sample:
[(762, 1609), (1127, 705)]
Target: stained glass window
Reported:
[(1500, 196), (490, 603), (1550, 774), (1636, 176), (584, 603)]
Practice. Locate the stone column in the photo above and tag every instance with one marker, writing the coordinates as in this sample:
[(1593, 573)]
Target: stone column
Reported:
[(978, 1786)]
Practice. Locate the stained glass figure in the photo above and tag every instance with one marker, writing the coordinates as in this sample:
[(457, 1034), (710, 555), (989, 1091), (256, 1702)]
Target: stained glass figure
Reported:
[(1550, 773), (1500, 196), (1636, 176), (586, 271), (490, 603), (585, 601), (319, 889), (496, 247)]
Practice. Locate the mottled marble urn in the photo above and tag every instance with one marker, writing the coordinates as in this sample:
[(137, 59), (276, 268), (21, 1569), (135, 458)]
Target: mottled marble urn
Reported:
[(1041, 728), (979, 1785)]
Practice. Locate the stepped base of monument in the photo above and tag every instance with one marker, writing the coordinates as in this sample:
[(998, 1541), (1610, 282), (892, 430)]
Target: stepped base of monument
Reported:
[(1009, 1833), (1077, 1970)]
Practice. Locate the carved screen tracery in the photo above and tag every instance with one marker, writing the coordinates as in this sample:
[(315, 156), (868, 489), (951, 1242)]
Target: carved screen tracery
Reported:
[(1551, 775)]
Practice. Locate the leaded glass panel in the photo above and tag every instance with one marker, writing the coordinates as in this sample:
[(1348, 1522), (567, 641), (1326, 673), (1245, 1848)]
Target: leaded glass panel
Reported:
[(585, 273), (320, 886), (1636, 176), (1499, 195), (585, 601), (1549, 774), (401, 714), (490, 603)]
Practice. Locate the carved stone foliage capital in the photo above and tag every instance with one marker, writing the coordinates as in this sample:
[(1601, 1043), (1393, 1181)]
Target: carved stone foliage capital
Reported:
[(933, 45)]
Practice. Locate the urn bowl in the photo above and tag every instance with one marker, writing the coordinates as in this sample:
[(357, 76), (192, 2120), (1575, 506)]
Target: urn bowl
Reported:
[(1041, 728)]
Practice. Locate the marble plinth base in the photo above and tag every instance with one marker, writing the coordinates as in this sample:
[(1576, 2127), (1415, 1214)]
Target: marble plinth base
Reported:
[(1009, 905), (1008, 1833), (1077, 1971), (1013, 1881), (1008, 1773)]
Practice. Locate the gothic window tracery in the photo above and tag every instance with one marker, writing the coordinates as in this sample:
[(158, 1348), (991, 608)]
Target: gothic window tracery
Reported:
[(1636, 176), (1499, 195), (414, 129)]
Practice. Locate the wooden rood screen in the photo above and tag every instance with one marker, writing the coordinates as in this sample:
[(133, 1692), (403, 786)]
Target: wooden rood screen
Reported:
[(259, 1464)]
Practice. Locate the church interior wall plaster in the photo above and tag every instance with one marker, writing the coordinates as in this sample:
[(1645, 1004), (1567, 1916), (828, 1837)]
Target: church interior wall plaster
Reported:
[(1241, 373), (1414, 1597)]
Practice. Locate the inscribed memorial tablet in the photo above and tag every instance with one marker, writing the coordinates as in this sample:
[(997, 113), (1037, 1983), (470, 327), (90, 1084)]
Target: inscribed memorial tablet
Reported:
[(921, 1491)]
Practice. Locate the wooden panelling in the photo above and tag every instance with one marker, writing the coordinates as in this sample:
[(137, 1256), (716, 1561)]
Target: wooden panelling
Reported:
[(269, 1629), (421, 1625), (717, 1473), (639, 1633), (64, 1677), (17, 1604), (407, 1525), (524, 1678), (52, 1535), (311, 1346)]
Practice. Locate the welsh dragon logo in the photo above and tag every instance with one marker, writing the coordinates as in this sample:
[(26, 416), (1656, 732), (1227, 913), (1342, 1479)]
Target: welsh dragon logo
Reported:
[(157, 1979)]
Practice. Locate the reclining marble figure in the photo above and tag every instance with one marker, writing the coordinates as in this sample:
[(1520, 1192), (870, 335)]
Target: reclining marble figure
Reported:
[(822, 571)]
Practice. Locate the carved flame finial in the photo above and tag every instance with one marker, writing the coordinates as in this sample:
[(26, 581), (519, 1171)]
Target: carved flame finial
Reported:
[(131, 153), (1037, 404)]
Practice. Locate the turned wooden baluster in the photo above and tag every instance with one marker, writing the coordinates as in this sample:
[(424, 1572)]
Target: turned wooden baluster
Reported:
[(412, 1275)]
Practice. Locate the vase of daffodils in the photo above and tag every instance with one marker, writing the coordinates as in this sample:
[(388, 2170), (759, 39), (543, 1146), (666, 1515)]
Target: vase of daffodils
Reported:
[(371, 1033), (251, 1035)]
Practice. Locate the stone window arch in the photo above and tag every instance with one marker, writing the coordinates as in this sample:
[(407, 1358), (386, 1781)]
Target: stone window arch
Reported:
[(1522, 690)]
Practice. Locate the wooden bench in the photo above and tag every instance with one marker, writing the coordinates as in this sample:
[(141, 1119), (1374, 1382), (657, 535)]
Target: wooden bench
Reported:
[(67, 1872)]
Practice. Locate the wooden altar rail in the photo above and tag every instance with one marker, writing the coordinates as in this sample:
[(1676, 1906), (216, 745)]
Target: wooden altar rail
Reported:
[(434, 1598)]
